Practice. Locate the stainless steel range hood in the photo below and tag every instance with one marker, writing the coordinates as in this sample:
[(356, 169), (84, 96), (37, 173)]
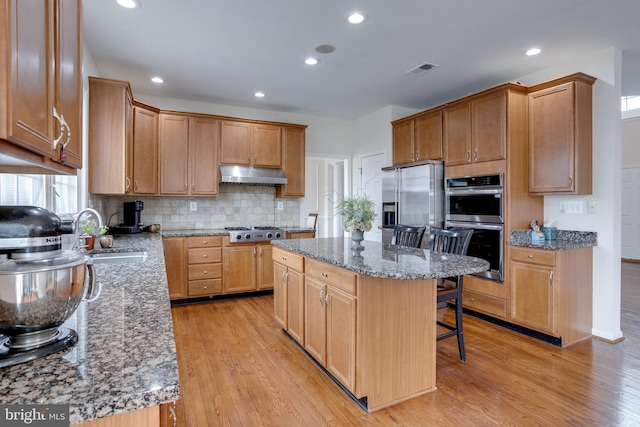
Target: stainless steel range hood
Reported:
[(251, 175)]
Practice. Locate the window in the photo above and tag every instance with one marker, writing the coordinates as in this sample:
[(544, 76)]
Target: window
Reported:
[(58, 193), (630, 103)]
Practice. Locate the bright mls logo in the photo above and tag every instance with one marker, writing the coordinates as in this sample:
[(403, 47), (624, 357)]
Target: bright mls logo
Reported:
[(34, 415)]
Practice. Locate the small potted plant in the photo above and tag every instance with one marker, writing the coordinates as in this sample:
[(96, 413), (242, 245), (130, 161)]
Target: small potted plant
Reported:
[(358, 213), (89, 232)]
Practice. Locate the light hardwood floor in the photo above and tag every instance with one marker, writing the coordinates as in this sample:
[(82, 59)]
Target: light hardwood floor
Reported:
[(237, 368)]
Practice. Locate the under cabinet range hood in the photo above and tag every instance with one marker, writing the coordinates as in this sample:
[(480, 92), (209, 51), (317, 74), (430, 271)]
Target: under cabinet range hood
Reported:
[(251, 175)]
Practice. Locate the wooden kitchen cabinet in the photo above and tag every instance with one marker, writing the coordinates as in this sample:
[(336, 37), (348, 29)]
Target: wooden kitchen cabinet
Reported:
[(250, 144), (144, 161), (330, 319), (560, 126), (293, 163), (204, 261), (475, 129), (188, 155), (247, 267), (551, 291), (175, 263), (301, 235), (42, 94), (418, 138), (288, 292)]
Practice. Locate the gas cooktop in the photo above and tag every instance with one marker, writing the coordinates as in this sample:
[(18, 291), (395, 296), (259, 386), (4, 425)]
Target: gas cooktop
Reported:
[(254, 234)]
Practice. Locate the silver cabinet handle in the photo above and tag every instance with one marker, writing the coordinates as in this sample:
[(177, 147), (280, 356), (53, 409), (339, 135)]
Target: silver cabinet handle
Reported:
[(475, 154), (551, 278), (326, 298), (127, 185), (417, 155), (468, 156), (135, 184), (321, 296), (570, 181)]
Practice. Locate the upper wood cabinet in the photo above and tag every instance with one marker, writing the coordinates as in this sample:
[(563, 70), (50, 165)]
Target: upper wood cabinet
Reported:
[(418, 138), (42, 93), (144, 170), (110, 136), (475, 129), (250, 144), (188, 153), (123, 141), (294, 162), (560, 146)]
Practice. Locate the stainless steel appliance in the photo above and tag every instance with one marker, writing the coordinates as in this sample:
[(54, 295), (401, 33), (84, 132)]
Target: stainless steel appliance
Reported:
[(476, 202), (418, 197), (254, 234), (40, 284)]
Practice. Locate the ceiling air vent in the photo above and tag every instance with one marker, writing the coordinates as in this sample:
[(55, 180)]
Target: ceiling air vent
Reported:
[(421, 69)]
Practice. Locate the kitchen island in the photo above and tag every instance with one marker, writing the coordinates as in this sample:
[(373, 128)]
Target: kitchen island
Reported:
[(124, 366), (366, 315)]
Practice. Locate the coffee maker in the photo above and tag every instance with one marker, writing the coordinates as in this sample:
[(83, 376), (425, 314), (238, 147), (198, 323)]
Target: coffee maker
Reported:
[(132, 222)]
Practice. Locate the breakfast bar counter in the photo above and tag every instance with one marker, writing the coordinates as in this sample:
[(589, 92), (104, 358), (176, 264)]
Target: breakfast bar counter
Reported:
[(366, 315)]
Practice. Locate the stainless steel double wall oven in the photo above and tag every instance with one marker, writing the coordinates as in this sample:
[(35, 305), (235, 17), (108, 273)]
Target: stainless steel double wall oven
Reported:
[(477, 202)]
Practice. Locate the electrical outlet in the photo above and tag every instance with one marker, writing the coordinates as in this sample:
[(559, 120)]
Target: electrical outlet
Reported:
[(571, 207), (280, 206), (193, 206)]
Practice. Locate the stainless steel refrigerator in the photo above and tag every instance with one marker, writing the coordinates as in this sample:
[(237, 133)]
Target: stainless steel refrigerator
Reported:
[(418, 197)]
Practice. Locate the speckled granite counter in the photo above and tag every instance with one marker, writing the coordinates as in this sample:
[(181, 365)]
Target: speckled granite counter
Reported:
[(567, 239), (221, 232), (125, 358), (381, 260)]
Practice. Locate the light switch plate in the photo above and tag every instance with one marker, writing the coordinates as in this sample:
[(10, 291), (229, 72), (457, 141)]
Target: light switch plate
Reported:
[(592, 206)]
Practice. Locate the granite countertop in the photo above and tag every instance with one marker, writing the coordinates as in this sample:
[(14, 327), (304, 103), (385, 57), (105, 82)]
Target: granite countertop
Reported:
[(382, 260), (221, 232), (566, 240), (125, 358)]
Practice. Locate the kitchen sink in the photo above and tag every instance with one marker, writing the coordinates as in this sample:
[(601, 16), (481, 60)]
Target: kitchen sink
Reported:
[(118, 257)]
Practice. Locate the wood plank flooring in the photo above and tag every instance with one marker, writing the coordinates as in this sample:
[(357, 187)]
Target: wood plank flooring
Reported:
[(237, 368)]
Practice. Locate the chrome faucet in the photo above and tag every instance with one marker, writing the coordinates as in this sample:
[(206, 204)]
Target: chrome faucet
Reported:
[(76, 222)]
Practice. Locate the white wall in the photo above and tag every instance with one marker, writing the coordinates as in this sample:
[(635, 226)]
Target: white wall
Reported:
[(606, 66), (631, 142)]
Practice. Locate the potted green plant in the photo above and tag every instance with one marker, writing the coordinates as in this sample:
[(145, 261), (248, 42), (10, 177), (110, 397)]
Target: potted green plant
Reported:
[(358, 213), (89, 232)]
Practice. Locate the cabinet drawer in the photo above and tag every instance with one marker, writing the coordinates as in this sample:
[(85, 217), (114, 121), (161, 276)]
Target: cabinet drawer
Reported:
[(205, 287), (332, 275), (205, 271), (204, 255), (289, 259), (533, 256), (204, 241), (485, 304)]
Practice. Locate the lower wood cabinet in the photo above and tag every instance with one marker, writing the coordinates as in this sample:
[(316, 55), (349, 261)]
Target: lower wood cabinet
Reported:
[(301, 235), (288, 293), (204, 265), (551, 291), (175, 263), (247, 267)]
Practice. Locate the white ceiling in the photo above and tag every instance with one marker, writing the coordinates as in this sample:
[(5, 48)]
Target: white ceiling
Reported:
[(223, 51)]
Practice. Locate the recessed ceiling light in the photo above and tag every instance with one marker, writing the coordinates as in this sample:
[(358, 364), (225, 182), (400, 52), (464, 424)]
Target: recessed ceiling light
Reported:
[(311, 61), (356, 18), (533, 51), (259, 94), (325, 48), (130, 4), (157, 79)]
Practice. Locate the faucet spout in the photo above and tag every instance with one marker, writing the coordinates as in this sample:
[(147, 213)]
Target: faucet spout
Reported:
[(79, 215)]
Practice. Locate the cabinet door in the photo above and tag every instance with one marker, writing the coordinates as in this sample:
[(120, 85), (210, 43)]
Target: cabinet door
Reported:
[(30, 121), (315, 326), (265, 266), (295, 305), (280, 294), (403, 143), (551, 139), (235, 143), (533, 297), (341, 336), (267, 145), (173, 152), (68, 83), (293, 163), (174, 258), (428, 136), (489, 127), (457, 134), (204, 146), (239, 269), (145, 151)]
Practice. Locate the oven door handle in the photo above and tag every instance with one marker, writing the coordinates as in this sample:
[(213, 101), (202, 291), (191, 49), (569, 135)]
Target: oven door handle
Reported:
[(474, 191), (479, 226)]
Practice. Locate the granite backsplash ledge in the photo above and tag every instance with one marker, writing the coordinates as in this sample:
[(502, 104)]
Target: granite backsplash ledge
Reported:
[(567, 239)]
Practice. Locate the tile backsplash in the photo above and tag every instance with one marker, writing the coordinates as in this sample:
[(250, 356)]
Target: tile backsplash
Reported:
[(236, 205)]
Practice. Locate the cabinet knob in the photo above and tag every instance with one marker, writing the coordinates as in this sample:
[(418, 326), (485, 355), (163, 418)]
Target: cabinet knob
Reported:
[(529, 256), (204, 255), (204, 287), (324, 274), (204, 242), (284, 258), (205, 272)]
